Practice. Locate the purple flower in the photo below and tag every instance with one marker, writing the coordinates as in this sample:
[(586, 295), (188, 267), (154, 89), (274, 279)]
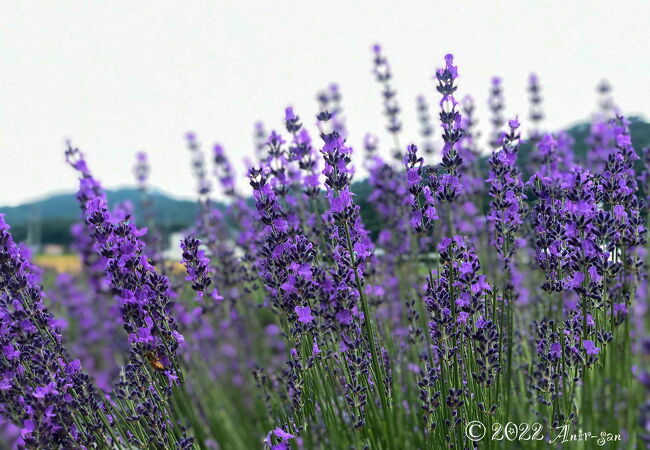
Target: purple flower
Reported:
[(304, 314), (536, 113), (341, 202), (556, 350), (10, 352), (506, 190), (426, 129), (344, 317), (36, 374), (421, 189), (496, 105), (464, 300), (283, 437), (41, 392), (383, 75), (575, 280), (590, 347), (280, 433), (28, 428), (197, 265), (145, 312), (448, 186)]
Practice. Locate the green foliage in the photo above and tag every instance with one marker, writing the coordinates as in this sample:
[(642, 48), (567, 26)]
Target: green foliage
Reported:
[(49, 220)]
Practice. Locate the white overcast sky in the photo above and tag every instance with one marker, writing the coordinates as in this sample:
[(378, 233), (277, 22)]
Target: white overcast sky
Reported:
[(122, 76)]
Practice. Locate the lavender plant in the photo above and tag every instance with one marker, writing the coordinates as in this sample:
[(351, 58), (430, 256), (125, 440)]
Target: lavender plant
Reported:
[(454, 290)]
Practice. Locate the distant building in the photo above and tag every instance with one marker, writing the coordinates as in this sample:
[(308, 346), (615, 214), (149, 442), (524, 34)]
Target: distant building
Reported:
[(173, 250), (53, 249)]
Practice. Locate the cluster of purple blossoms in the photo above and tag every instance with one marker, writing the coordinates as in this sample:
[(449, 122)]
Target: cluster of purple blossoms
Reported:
[(281, 438), (469, 220), (224, 171), (496, 105), (198, 164), (218, 241), (554, 160), (505, 219), (145, 306), (197, 265), (426, 185), (547, 217), (211, 225), (329, 100), (464, 337), (549, 380), (286, 267), (426, 129), (351, 250), (42, 390), (352, 244), (644, 176), (216, 329), (421, 185), (383, 74), (536, 113), (506, 191), (390, 198), (286, 264), (89, 302), (303, 153), (449, 185), (601, 141), (587, 231), (92, 329), (617, 189), (144, 294)]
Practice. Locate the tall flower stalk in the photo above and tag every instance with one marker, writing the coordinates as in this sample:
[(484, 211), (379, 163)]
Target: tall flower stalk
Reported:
[(535, 113), (352, 248), (42, 390), (383, 75), (505, 218), (153, 370)]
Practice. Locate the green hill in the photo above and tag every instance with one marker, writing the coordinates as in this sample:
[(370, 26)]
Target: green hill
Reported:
[(639, 130), (52, 217)]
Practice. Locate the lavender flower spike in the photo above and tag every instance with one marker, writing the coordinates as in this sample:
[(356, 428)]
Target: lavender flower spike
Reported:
[(450, 118), (41, 389)]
